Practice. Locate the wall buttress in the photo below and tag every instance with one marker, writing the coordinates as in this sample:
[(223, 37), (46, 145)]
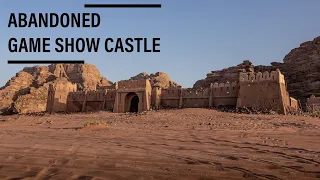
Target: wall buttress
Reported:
[(85, 101)]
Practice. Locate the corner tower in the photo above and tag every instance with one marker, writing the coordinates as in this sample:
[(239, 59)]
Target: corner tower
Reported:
[(263, 91)]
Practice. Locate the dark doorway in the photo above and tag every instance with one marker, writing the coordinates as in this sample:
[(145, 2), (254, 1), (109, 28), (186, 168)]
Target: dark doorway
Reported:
[(134, 104)]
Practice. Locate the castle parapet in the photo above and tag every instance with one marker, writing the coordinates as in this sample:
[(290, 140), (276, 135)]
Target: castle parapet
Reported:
[(133, 84), (191, 93), (275, 76), (225, 86)]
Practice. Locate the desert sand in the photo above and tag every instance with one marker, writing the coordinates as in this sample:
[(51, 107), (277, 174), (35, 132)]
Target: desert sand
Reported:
[(168, 144)]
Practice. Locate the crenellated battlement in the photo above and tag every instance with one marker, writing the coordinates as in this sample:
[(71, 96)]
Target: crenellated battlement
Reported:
[(192, 93), (275, 76), (171, 92), (227, 89), (225, 86), (132, 84)]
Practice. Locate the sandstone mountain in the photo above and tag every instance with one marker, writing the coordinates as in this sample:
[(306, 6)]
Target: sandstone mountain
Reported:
[(159, 79), (230, 74), (27, 91), (301, 68)]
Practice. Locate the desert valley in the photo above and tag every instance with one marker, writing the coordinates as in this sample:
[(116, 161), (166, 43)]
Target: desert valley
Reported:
[(242, 122)]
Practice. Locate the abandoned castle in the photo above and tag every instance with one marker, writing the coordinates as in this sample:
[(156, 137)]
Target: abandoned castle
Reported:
[(260, 90)]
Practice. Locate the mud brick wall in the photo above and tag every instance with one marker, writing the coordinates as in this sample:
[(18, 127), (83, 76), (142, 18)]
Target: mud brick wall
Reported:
[(264, 91)]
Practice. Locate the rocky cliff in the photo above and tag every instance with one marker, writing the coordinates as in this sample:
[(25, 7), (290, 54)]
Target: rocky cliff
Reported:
[(27, 91), (301, 68), (230, 74), (159, 79)]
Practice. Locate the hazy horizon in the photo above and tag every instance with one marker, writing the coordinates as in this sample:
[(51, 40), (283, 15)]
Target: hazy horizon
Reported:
[(196, 38)]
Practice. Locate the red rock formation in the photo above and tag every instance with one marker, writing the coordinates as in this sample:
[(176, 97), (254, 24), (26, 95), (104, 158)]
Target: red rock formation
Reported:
[(302, 70), (159, 79), (27, 91), (230, 74), (87, 76)]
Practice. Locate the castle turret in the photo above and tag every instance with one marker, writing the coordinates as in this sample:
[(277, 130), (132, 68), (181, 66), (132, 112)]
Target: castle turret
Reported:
[(265, 90)]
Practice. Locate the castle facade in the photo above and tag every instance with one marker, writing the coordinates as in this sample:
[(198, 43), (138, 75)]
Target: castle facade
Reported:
[(260, 90)]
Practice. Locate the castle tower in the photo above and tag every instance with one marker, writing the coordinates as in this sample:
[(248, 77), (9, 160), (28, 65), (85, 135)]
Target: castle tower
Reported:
[(263, 91), (58, 93)]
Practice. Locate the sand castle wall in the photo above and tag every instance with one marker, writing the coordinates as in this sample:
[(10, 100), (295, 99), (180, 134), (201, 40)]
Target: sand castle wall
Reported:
[(91, 100), (195, 99), (58, 94), (261, 90), (264, 91), (170, 97), (225, 94), (128, 90), (313, 103), (156, 97), (219, 94)]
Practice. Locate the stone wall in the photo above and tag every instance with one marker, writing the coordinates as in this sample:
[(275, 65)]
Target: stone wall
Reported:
[(261, 90), (170, 97), (128, 89), (76, 101), (91, 101), (225, 94), (264, 91), (218, 94), (156, 97), (313, 102), (195, 98), (58, 93)]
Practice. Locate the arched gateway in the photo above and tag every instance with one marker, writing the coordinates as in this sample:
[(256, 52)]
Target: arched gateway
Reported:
[(132, 96), (132, 102)]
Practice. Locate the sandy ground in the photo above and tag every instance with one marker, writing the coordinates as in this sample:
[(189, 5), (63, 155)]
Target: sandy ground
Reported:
[(170, 144)]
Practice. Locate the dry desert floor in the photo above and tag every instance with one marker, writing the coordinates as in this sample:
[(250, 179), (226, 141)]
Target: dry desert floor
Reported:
[(169, 144)]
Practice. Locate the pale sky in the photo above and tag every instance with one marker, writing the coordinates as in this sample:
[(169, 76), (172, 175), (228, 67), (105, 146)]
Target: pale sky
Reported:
[(196, 36)]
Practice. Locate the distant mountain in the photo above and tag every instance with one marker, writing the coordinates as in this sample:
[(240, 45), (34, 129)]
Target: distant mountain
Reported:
[(158, 79)]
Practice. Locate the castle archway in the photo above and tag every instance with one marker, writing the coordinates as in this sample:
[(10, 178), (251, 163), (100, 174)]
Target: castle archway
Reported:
[(132, 102)]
